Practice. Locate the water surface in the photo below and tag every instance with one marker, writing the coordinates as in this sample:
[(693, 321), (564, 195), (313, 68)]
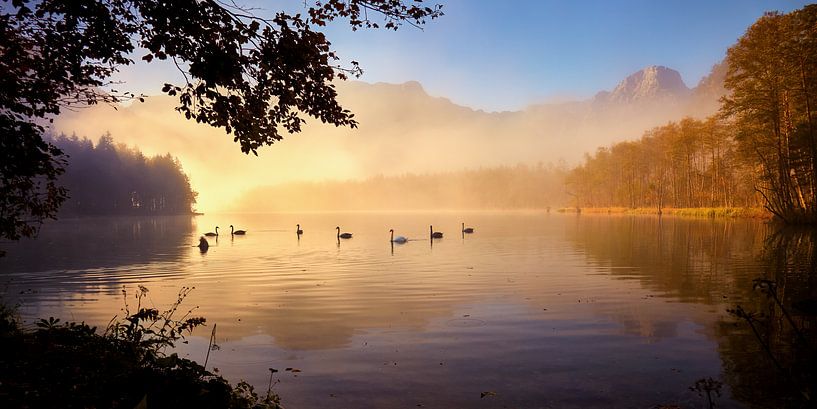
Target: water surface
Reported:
[(539, 310)]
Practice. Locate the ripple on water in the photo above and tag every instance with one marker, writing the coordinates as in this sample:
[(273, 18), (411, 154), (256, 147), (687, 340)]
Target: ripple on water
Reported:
[(465, 323), (522, 305)]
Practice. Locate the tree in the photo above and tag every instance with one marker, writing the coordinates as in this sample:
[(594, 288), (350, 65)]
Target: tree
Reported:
[(255, 77), (114, 179), (690, 163), (773, 86)]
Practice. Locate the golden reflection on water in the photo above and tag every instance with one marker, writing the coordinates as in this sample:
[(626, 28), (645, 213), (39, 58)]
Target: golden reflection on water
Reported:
[(563, 310)]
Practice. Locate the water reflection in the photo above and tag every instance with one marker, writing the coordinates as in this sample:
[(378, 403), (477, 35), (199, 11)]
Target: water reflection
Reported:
[(692, 259), (101, 242), (768, 272), (545, 310), (771, 345)]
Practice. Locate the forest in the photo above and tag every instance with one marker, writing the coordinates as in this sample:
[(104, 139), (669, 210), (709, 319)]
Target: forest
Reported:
[(759, 150), (690, 163), (114, 179), (505, 187)]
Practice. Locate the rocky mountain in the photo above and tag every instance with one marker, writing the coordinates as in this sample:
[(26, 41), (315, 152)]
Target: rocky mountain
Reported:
[(651, 84)]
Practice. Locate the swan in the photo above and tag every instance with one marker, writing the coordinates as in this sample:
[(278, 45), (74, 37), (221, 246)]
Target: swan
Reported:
[(434, 234), (234, 232), (211, 234), (467, 229), (398, 239), (298, 230), (203, 244), (343, 235)]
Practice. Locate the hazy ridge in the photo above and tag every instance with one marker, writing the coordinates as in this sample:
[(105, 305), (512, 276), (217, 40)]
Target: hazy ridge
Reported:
[(402, 130)]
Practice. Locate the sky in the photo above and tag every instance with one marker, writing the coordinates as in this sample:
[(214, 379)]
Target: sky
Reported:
[(485, 55), (505, 55)]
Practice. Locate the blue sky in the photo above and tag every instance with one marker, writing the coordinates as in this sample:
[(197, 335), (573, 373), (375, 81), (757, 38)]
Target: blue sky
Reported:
[(504, 55)]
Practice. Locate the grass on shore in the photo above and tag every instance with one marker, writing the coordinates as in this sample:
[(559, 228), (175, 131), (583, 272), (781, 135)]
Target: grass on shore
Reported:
[(701, 212)]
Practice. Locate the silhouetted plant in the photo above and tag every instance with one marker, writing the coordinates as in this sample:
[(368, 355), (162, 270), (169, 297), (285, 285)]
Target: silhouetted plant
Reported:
[(799, 372), (150, 329), (753, 319), (708, 386), (8, 318), (769, 288), (244, 395), (70, 365), (212, 346)]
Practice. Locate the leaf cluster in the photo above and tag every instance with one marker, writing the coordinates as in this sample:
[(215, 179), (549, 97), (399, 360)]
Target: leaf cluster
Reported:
[(29, 173), (395, 12), (247, 74)]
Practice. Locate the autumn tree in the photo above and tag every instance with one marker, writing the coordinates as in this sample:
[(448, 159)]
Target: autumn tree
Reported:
[(258, 78), (772, 84), (690, 163)]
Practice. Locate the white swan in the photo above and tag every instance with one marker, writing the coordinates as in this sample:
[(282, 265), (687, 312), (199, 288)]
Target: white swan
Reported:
[(398, 239)]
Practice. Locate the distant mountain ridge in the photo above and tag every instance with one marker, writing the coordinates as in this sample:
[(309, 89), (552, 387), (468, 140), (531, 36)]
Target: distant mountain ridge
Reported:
[(405, 130), (662, 86), (647, 85), (402, 129)]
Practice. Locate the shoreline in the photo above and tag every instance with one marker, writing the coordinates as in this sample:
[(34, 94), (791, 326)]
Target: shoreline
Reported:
[(698, 212)]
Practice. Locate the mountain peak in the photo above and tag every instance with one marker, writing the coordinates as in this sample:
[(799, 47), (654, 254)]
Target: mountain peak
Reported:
[(652, 82)]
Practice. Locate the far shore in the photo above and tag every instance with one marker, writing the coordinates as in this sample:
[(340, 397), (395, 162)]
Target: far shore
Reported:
[(707, 212)]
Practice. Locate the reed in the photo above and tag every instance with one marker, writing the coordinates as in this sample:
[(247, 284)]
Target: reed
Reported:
[(699, 212)]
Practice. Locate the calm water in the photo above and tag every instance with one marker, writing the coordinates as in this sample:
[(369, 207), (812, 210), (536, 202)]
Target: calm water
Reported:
[(543, 310)]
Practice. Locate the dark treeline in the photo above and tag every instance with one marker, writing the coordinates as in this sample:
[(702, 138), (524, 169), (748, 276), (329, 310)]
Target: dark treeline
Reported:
[(761, 150), (113, 179), (690, 163), (507, 187)]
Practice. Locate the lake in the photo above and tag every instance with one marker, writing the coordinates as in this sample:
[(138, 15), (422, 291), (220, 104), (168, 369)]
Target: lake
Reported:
[(532, 310)]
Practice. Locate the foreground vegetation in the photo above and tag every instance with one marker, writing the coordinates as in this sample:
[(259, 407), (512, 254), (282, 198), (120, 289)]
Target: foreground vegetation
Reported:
[(72, 365)]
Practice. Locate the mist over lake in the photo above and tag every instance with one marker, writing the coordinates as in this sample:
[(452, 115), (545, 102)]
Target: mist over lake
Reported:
[(408, 204), (537, 309)]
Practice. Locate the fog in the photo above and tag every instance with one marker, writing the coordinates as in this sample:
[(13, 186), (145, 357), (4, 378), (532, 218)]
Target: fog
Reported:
[(505, 187), (403, 130)]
